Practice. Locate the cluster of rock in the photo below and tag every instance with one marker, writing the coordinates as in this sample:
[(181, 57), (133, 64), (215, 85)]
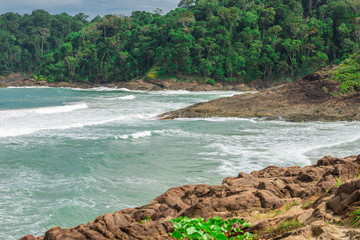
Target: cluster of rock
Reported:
[(312, 98), (265, 197), (145, 85)]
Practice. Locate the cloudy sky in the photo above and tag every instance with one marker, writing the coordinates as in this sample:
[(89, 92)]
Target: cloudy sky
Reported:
[(89, 7)]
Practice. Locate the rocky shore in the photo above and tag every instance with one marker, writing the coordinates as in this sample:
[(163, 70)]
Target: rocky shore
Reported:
[(16, 80), (313, 202), (312, 98)]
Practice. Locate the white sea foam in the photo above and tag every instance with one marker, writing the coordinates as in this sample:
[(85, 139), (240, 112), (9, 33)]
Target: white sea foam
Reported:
[(181, 92), (60, 109), (127, 97), (204, 151), (219, 119), (135, 135), (195, 180), (167, 92), (315, 147), (186, 92), (104, 89), (97, 89), (88, 123), (43, 110), (141, 134), (28, 87), (180, 133), (13, 132)]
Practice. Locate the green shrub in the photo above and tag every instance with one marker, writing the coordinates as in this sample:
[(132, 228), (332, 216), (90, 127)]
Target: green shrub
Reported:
[(348, 74), (153, 73), (215, 228), (211, 81)]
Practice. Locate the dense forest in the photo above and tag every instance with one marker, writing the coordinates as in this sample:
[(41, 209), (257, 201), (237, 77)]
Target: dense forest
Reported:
[(25, 39), (227, 40)]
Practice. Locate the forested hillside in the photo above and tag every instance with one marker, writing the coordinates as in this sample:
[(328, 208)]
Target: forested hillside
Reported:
[(24, 39), (221, 40)]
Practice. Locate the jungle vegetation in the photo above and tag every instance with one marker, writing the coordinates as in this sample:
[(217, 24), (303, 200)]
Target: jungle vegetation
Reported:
[(25, 39), (221, 40)]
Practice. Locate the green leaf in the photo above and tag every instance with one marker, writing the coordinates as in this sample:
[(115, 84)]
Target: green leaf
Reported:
[(205, 226), (216, 228), (221, 236), (191, 230), (195, 236), (247, 224), (176, 234)]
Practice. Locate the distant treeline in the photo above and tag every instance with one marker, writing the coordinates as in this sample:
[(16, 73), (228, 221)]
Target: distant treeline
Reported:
[(217, 39), (24, 39)]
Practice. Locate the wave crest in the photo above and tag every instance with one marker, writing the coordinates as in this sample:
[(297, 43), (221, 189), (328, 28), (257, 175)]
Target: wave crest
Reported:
[(135, 135)]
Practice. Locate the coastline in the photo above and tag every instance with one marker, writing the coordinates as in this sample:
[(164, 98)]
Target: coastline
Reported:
[(266, 197), (312, 98), (15, 80), (310, 196)]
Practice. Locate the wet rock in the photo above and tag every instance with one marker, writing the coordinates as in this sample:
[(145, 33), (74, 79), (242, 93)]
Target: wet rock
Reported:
[(141, 84), (28, 237), (268, 192), (347, 194), (302, 100)]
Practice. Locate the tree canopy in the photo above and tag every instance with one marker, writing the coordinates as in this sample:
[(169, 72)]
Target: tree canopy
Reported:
[(26, 38), (226, 40)]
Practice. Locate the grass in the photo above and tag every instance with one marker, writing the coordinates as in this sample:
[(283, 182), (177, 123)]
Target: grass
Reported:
[(307, 204), (289, 225), (356, 218), (290, 205), (278, 213), (338, 181), (268, 214), (286, 226)]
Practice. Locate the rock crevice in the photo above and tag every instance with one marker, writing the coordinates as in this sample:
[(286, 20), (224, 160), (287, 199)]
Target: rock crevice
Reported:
[(266, 198)]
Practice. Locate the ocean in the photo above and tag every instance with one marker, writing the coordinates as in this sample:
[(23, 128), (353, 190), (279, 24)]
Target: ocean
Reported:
[(69, 155)]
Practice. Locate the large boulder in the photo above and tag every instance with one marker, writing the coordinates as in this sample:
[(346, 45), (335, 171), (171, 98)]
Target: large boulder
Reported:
[(266, 197)]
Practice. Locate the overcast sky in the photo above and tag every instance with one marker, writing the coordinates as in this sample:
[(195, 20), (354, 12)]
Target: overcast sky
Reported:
[(89, 7)]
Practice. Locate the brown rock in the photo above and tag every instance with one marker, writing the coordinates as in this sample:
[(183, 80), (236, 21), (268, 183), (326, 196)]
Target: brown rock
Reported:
[(245, 196), (302, 100), (269, 200), (28, 237)]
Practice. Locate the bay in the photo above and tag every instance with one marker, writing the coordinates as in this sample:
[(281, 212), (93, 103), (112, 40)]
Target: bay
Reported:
[(69, 155)]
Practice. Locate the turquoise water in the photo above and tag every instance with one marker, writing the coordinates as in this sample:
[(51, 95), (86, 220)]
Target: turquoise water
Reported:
[(69, 155)]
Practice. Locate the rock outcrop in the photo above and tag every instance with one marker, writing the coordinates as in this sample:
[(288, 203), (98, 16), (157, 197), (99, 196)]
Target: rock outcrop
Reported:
[(312, 98), (268, 198), (145, 85)]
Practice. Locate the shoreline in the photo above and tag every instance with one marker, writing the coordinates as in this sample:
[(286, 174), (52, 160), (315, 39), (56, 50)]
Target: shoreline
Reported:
[(312, 98), (318, 197), (145, 85)]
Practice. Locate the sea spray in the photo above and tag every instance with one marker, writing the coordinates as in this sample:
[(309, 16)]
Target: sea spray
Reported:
[(69, 164)]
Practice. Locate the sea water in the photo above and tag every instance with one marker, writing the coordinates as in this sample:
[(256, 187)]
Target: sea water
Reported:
[(69, 155)]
